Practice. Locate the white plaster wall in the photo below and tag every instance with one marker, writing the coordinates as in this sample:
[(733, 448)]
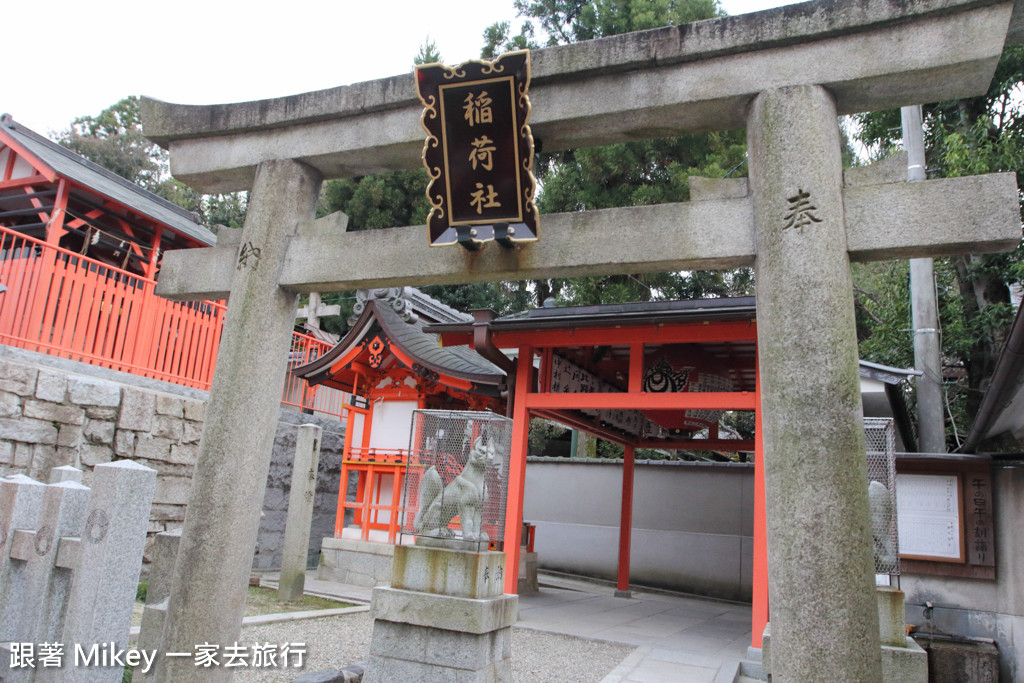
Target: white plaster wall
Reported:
[(391, 423), (692, 522)]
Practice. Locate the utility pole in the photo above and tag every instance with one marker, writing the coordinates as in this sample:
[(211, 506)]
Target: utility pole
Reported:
[(927, 347)]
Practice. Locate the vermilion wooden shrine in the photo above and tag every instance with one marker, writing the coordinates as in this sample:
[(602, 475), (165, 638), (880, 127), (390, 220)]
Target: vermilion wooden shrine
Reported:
[(80, 248), (648, 375), (392, 367)]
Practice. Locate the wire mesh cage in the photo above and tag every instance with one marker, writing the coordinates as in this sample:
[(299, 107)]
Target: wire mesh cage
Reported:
[(881, 452), (457, 478)]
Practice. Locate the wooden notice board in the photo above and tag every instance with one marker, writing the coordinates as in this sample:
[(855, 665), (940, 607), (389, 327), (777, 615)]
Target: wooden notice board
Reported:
[(929, 517)]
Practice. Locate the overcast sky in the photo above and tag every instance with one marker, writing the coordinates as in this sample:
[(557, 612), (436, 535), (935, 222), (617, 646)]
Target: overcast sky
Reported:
[(68, 58)]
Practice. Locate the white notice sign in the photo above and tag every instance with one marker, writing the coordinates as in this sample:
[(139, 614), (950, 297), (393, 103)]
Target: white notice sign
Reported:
[(928, 515)]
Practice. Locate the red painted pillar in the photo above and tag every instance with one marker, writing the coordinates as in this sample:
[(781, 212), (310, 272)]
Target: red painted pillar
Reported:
[(153, 264), (759, 613), (346, 455), (55, 226), (625, 521), (517, 469)]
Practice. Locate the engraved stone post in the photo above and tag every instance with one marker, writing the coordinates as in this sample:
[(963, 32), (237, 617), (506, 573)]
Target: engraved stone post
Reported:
[(20, 501), (300, 512), (36, 590), (63, 515), (161, 570), (824, 622), (211, 574), (103, 587)]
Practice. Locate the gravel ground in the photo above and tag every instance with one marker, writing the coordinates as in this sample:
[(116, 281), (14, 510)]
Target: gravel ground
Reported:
[(334, 642)]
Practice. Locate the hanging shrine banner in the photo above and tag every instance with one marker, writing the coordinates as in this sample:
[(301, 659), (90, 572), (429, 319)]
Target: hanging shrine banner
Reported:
[(479, 151)]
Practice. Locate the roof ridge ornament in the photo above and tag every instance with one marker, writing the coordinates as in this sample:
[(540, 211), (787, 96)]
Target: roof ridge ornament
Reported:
[(398, 298)]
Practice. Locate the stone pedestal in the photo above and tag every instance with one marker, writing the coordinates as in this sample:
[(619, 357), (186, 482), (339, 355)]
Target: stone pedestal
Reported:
[(360, 563), (444, 618), (528, 582)]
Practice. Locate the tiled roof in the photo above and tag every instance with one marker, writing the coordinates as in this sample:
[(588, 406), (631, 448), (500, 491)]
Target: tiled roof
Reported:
[(69, 165)]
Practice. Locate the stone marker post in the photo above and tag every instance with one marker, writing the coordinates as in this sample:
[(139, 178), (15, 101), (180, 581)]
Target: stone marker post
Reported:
[(63, 515), (104, 584), (823, 614), (300, 512), (161, 571), (211, 574), (20, 501)]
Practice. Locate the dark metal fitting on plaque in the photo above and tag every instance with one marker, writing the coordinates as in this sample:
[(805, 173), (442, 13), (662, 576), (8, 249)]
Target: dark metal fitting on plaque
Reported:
[(503, 233), (467, 238)]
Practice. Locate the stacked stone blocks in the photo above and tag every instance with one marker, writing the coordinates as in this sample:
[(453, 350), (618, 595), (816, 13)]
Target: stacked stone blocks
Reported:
[(52, 417), (444, 618)]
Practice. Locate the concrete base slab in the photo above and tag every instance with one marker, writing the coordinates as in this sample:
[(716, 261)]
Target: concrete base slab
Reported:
[(907, 664), (527, 573), (359, 563)]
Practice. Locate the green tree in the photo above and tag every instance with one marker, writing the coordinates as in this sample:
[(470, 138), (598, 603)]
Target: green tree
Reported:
[(428, 54), (626, 174), (114, 140), (498, 39), (570, 21), (982, 134)]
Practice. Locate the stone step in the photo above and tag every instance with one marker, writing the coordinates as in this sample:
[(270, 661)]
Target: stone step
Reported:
[(752, 671)]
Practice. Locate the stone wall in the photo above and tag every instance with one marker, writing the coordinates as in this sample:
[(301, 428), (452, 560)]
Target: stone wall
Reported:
[(56, 412), (275, 500), (51, 418)]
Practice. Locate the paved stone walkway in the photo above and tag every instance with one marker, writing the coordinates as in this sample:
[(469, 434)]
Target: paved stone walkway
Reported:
[(677, 639)]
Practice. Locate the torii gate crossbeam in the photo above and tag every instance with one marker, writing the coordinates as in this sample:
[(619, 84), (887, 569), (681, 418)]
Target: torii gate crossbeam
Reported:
[(785, 74)]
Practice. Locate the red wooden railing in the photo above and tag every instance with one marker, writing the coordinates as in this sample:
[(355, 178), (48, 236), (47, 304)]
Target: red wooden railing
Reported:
[(297, 391), (65, 304)]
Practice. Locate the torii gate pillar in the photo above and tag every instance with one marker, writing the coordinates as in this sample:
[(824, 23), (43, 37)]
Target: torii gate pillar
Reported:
[(814, 464), (867, 54), (215, 557)]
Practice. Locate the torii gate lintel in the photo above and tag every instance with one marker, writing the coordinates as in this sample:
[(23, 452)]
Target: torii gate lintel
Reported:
[(799, 227)]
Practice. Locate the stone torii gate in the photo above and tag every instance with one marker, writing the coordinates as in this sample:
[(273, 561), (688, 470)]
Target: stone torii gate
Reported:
[(784, 74)]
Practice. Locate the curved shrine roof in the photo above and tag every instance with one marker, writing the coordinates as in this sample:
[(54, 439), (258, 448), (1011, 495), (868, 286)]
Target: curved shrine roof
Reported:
[(459, 363), (63, 162)]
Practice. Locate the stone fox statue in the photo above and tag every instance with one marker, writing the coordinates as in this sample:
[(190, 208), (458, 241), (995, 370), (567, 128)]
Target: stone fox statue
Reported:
[(881, 511), (464, 497)]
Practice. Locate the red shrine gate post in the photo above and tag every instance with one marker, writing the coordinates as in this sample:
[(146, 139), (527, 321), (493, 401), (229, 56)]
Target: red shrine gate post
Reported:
[(534, 398)]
